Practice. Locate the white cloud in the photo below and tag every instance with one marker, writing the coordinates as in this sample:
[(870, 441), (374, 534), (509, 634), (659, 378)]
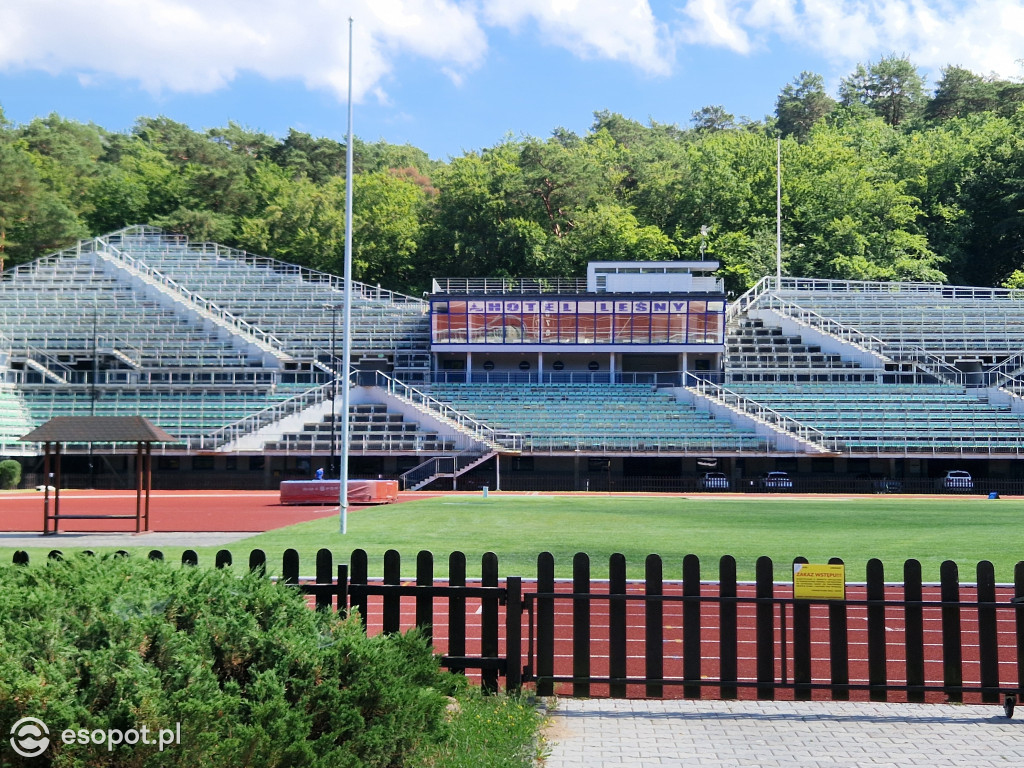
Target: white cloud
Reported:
[(202, 45), (621, 30), (715, 23), (986, 36)]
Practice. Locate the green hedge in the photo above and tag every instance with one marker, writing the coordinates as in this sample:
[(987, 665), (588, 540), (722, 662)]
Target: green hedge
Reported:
[(253, 676), (10, 474)]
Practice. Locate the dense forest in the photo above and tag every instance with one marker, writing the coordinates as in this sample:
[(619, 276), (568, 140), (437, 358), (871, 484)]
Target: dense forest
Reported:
[(888, 181)]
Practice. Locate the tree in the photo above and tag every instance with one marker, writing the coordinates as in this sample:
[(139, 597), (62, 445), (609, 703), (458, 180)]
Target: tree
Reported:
[(387, 213), (33, 218), (801, 104), (707, 119), (302, 155), (892, 88), (960, 92), (610, 232)]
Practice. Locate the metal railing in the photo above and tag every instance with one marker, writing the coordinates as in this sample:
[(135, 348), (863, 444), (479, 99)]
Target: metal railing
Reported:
[(255, 421), (496, 439), (441, 466), (243, 327), (436, 466), (51, 366), (763, 413), (762, 294), (652, 378), (510, 285), (771, 283)]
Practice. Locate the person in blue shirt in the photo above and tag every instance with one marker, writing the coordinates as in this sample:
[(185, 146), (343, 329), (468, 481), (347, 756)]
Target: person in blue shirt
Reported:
[(319, 474)]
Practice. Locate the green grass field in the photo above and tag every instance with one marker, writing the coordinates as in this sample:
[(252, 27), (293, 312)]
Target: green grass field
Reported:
[(517, 528)]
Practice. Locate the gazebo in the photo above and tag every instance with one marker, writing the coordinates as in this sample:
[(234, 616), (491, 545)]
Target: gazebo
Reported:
[(98, 429)]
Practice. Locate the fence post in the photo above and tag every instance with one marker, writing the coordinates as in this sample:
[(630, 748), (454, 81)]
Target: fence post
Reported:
[(392, 611), (545, 624), (342, 590), (1018, 591), (617, 625), (457, 606), (988, 640), (801, 645), (727, 639), (489, 622), (764, 574), (581, 625), (258, 562), (952, 654), (691, 625), (324, 575), (514, 633), (913, 617), (839, 646), (654, 644), (290, 566), (424, 600), (876, 630), (358, 569)]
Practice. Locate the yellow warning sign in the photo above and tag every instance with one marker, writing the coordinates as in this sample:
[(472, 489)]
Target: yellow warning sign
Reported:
[(819, 582)]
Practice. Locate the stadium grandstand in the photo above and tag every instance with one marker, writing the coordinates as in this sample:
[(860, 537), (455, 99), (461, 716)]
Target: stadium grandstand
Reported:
[(638, 376)]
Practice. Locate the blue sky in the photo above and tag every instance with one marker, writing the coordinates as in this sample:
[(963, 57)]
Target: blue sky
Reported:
[(451, 76)]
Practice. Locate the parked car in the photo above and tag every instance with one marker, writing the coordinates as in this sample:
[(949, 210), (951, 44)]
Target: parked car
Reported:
[(957, 479), (714, 481), (779, 481), (890, 485)]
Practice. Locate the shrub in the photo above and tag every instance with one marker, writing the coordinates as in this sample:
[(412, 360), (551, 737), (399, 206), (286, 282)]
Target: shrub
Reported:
[(252, 675), (10, 474)]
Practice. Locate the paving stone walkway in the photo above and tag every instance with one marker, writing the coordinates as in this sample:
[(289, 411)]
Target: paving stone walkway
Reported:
[(746, 734)]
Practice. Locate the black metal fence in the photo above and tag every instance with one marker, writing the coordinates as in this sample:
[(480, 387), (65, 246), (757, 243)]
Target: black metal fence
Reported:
[(688, 636)]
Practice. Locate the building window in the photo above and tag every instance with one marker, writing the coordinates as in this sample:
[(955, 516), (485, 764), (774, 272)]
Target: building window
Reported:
[(202, 463), (168, 463)]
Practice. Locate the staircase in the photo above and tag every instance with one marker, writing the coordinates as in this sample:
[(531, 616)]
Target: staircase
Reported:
[(437, 467)]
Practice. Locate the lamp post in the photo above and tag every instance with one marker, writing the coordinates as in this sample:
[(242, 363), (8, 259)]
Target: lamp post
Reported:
[(334, 393), (346, 355), (93, 392)]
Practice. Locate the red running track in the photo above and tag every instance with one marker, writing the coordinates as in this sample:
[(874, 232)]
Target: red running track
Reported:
[(672, 644), (192, 511)]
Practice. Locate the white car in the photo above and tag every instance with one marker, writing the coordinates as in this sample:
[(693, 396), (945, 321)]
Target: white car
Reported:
[(777, 480), (714, 481), (958, 479)]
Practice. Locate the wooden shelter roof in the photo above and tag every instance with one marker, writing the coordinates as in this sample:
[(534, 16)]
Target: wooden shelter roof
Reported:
[(98, 429)]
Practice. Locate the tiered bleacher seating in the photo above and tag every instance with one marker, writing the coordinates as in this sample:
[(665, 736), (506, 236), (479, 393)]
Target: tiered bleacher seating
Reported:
[(886, 418), (14, 419), (756, 352), (372, 429), (62, 311), (184, 413), (294, 304), (950, 322), (597, 417)]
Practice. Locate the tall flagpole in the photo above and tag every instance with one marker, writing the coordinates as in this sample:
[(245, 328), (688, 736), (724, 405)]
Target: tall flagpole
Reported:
[(346, 356), (778, 214)]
